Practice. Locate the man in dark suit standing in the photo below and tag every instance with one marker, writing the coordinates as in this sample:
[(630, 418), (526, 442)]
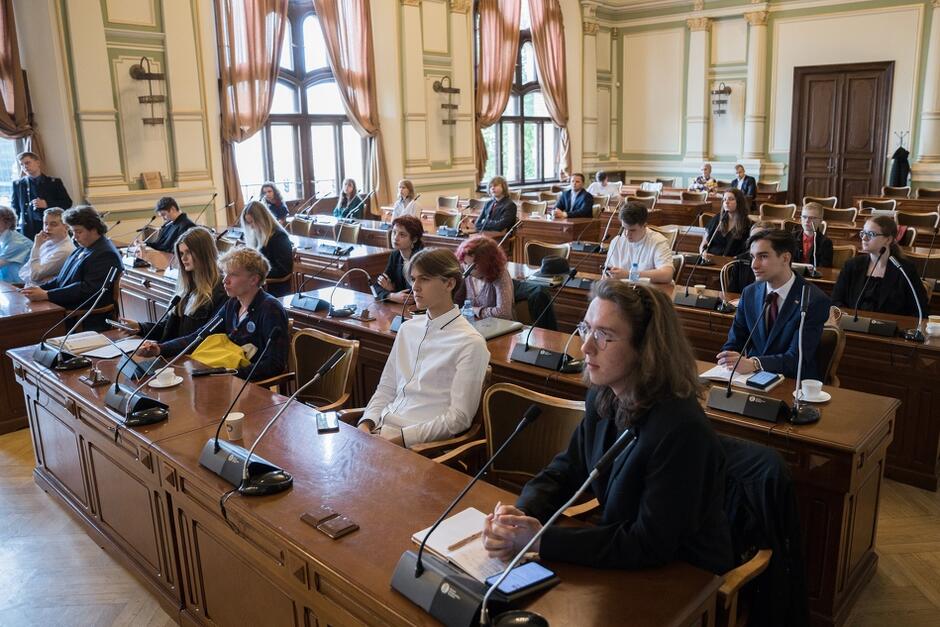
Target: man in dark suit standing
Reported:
[(745, 183), (775, 342), (36, 192), (575, 202)]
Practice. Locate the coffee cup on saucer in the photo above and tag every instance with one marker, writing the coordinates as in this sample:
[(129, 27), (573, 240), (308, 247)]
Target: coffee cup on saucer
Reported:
[(811, 388), (166, 376)]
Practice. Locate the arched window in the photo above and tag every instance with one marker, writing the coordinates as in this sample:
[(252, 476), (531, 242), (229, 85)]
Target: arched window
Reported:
[(523, 146), (308, 145)]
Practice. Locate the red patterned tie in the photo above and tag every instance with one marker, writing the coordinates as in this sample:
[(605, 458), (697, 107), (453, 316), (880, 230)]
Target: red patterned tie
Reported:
[(773, 310)]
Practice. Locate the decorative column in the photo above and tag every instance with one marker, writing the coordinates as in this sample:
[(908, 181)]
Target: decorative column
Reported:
[(589, 90), (697, 118), (755, 103), (929, 144)]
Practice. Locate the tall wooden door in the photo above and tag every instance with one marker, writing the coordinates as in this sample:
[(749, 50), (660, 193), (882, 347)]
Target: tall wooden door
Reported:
[(839, 130)]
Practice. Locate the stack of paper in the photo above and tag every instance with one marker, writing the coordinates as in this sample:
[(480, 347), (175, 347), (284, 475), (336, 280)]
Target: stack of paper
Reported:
[(80, 342), (459, 541)]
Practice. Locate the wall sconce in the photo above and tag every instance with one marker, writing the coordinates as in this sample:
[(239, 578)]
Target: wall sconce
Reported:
[(720, 100), (141, 72), (443, 86)]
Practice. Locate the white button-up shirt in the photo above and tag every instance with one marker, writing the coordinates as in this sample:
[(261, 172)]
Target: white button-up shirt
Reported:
[(46, 260), (430, 386), (650, 253)]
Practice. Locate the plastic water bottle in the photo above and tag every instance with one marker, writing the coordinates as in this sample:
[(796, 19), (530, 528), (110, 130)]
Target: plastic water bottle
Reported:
[(467, 311), (634, 273)]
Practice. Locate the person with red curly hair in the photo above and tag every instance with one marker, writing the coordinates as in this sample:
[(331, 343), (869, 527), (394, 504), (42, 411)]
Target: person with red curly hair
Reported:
[(489, 286)]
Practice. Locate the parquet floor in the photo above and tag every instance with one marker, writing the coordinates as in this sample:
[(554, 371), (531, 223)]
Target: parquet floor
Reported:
[(52, 573)]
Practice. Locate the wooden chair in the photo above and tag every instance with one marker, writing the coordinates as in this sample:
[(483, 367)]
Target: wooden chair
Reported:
[(224, 244), (770, 211), (767, 186), (926, 192), (299, 227), (932, 265), (724, 275), (556, 189), (309, 349), (349, 234), (268, 282), (531, 196), (896, 192), (602, 201), (639, 181), (536, 251), (926, 220), (515, 194), (705, 218), (447, 202), (646, 193), (667, 182), (548, 197), (647, 201), (446, 218), (881, 205), (687, 196), (528, 207), (114, 308), (792, 225), (671, 233), (830, 201), (841, 254), (841, 216), (909, 237), (829, 353), (475, 205), (678, 261)]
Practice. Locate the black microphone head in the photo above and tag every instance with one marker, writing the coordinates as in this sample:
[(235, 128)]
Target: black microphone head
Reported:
[(883, 250), (174, 301), (572, 273), (533, 412), (804, 298)]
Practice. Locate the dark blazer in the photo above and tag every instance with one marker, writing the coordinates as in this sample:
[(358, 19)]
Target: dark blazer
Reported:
[(170, 232), (823, 249), (48, 188), (279, 212), (497, 215), (280, 253), (176, 326), (83, 274), (395, 271), (778, 349), (894, 295), (724, 244), (662, 502), (580, 206), (748, 186), (264, 314)]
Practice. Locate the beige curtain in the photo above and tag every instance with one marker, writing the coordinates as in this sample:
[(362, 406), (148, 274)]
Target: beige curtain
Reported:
[(499, 45), (250, 33), (15, 122), (548, 39), (347, 29)]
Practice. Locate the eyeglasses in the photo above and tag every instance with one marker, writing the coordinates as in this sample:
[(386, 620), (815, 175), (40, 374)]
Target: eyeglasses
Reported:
[(599, 336), (869, 234)]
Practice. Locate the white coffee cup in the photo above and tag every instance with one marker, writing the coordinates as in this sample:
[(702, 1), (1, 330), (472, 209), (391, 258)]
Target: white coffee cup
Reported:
[(933, 320), (166, 376), (933, 328), (700, 288), (811, 388), (233, 425)]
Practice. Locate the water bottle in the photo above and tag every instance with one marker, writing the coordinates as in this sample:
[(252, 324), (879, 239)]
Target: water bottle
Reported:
[(467, 311), (634, 273)]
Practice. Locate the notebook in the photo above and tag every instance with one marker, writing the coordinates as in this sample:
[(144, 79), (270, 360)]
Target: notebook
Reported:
[(720, 374), (80, 342), (494, 327), (459, 541)]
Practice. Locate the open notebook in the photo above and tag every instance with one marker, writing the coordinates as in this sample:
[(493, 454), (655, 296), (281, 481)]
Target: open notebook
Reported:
[(720, 374), (459, 541)]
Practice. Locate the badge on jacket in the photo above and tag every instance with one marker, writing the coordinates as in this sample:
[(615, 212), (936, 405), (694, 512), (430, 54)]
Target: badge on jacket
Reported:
[(250, 326)]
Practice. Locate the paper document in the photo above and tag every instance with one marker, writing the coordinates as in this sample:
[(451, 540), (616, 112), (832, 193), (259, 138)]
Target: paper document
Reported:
[(108, 351), (80, 342), (459, 541), (721, 374)]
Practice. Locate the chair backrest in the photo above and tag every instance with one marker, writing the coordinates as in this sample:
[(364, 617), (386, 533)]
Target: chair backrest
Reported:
[(300, 227), (529, 196), (349, 234), (535, 447), (536, 251), (667, 182), (908, 238), (446, 218), (791, 225), (725, 276), (829, 353), (926, 192), (678, 261), (693, 196), (602, 200), (830, 201), (889, 204), (928, 220), (447, 202), (705, 218), (896, 192), (842, 216), (669, 232), (646, 193), (932, 270), (529, 207), (647, 201), (767, 186), (639, 181), (770, 211), (223, 244), (557, 189), (309, 348), (841, 254), (476, 204), (515, 194), (551, 197)]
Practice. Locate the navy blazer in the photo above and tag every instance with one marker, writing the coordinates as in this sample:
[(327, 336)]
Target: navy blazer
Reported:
[(661, 502), (48, 188), (778, 349), (280, 254), (581, 206), (497, 215), (748, 186), (264, 315), (170, 232), (83, 274)]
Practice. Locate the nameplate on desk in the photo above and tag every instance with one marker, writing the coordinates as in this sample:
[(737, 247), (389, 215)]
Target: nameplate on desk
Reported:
[(872, 326), (694, 300), (746, 404)]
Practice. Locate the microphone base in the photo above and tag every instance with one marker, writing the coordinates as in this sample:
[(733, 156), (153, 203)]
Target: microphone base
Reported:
[(333, 251), (441, 590), (135, 371), (812, 273), (586, 247), (55, 360), (342, 312), (263, 477), (872, 326), (138, 410), (307, 302), (726, 307), (538, 357), (448, 231), (803, 414), (581, 284), (696, 301), (915, 335), (747, 404)]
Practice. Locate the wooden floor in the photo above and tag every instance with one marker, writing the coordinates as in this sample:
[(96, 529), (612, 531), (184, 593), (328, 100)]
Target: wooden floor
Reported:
[(45, 559)]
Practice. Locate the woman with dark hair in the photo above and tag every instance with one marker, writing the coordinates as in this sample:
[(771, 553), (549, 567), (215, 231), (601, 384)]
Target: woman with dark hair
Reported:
[(732, 226), (662, 500), (269, 238), (394, 284), (349, 204), (272, 199), (489, 287), (871, 282)]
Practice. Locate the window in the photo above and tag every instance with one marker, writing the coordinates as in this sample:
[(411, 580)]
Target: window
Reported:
[(9, 168), (308, 145), (523, 146)]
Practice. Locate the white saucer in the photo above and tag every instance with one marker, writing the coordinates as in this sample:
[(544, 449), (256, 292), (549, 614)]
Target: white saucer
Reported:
[(159, 386), (823, 397)]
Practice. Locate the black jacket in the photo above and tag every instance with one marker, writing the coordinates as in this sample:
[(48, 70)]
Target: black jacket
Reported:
[(900, 169), (48, 188), (748, 186), (170, 232), (280, 254), (894, 295), (175, 326), (823, 249), (83, 274), (395, 271), (724, 244), (497, 215), (660, 503), (576, 206)]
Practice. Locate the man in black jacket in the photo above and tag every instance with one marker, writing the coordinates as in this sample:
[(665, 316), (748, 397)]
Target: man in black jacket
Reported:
[(810, 244), (175, 223), (575, 202), (745, 183), (36, 192)]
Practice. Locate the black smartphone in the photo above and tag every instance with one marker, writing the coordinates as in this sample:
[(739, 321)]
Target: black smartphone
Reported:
[(763, 380), (523, 580)]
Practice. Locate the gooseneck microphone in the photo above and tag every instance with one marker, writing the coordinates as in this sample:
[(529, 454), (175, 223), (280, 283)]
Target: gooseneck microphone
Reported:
[(507, 233), (915, 334), (868, 276), (768, 299), (802, 414), (308, 302), (214, 194), (698, 214), (139, 371), (624, 444), (345, 312)]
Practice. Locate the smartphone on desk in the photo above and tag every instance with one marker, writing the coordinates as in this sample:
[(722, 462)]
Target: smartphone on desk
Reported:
[(764, 380), (524, 580)]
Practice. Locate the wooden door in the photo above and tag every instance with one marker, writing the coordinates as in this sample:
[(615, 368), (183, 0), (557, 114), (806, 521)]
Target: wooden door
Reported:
[(839, 130)]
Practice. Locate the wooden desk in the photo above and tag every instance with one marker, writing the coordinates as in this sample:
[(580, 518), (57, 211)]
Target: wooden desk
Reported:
[(911, 205), (309, 262), (554, 232), (21, 322), (142, 495)]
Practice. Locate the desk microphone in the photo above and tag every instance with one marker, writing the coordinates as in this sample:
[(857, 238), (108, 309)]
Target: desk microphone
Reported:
[(345, 312), (146, 226), (867, 279), (140, 371), (694, 300), (802, 414), (915, 334), (768, 299), (308, 302), (506, 234), (624, 443), (196, 221)]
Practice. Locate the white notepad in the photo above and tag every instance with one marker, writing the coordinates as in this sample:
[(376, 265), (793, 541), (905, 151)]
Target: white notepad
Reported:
[(459, 540)]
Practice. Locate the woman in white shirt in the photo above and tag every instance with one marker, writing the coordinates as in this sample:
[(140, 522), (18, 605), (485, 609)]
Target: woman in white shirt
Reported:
[(431, 384), (641, 245), (406, 205)]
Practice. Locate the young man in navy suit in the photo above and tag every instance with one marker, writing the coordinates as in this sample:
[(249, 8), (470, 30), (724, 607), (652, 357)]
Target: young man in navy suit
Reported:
[(775, 342), (575, 202), (745, 183), (36, 192)]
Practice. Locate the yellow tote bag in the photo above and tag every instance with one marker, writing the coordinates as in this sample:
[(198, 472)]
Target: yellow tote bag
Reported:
[(217, 351)]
